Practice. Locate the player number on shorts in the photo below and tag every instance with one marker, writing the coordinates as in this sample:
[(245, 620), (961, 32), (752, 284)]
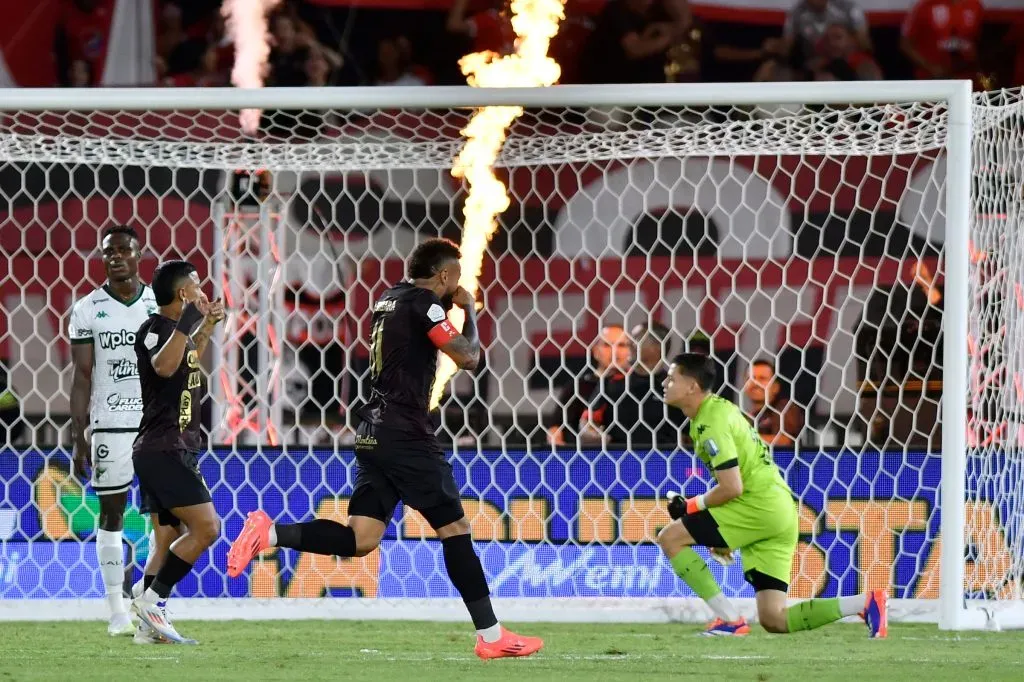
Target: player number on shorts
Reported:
[(376, 348)]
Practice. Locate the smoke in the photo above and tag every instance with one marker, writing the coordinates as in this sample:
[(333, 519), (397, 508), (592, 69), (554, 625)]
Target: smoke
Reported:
[(246, 22)]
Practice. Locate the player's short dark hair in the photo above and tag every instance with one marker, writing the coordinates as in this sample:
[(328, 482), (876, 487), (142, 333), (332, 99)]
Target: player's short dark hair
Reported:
[(167, 279), (696, 366), (126, 230), (430, 256), (657, 331)]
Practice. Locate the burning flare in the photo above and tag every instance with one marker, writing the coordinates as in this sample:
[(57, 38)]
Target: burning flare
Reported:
[(535, 23), (246, 22)]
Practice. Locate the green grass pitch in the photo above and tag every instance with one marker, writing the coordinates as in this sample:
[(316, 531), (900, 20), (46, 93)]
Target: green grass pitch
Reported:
[(305, 651)]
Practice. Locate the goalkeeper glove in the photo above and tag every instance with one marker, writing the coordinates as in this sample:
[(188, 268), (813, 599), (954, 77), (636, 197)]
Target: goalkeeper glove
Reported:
[(190, 318), (679, 506)]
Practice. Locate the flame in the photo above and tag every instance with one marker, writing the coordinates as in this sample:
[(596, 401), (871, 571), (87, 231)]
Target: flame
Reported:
[(535, 23), (246, 22)]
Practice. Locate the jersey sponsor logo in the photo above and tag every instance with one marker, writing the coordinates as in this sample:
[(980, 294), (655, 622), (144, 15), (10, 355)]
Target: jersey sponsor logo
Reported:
[(435, 313), (192, 358), (123, 370), (102, 451), (385, 306), (115, 403), (102, 315), (112, 340), (100, 472), (151, 340)]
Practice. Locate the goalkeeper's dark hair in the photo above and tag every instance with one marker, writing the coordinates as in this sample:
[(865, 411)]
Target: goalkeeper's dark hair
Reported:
[(430, 256), (167, 279), (696, 366), (126, 230)]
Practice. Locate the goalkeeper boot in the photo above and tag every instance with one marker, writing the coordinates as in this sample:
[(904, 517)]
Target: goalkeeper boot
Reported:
[(254, 538), (509, 645), (720, 628), (876, 614)]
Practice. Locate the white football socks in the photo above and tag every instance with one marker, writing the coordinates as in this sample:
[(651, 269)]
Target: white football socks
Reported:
[(851, 606), (723, 608), (110, 553), (491, 634)]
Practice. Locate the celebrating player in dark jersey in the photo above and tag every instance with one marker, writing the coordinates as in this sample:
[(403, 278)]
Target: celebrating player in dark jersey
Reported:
[(399, 457), (166, 451)]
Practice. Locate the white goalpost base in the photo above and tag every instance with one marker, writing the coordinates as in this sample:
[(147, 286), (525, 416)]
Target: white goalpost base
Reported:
[(786, 270)]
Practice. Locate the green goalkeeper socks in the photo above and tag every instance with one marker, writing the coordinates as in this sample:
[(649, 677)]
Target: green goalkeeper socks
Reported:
[(813, 613), (694, 572)]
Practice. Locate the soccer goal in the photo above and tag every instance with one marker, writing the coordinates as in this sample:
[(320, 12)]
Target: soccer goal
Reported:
[(863, 239)]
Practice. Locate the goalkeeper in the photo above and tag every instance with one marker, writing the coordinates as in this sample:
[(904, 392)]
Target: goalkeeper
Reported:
[(750, 508)]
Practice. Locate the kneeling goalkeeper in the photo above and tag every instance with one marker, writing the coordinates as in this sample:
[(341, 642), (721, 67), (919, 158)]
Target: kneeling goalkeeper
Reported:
[(750, 508)]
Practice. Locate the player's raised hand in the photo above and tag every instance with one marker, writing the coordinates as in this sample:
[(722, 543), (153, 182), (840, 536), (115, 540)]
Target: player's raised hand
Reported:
[(463, 298), (216, 312)]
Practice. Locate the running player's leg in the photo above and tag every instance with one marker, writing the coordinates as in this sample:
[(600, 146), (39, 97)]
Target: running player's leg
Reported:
[(677, 540), (425, 481), (111, 477), (370, 509)]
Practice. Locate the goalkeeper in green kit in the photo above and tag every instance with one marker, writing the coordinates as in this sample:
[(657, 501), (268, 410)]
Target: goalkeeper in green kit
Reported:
[(750, 508)]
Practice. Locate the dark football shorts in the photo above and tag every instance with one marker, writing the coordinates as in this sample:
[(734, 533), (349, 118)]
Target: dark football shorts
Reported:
[(397, 467), (168, 480)]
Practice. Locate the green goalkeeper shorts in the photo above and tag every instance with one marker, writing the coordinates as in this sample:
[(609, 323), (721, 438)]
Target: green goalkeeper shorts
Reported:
[(765, 532)]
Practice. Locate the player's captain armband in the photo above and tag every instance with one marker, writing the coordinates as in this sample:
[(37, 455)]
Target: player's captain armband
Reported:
[(442, 333), (435, 313), (151, 340)]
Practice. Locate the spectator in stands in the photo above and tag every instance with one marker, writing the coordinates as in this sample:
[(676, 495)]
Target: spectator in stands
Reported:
[(900, 330), (940, 38), (611, 358), (627, 45), (628, 411), (82, 29), (489, 29), (195, 64), (840, 58), (79, 74), (803, 37), (690, 49), (778, 420), (288, 57), (395, 64)]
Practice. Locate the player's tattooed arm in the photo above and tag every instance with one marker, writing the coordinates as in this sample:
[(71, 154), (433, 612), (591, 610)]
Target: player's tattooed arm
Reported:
[(465, 348), (201, 336)]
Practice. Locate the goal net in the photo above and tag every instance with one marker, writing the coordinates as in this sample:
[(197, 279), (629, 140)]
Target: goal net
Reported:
[(853, 269)]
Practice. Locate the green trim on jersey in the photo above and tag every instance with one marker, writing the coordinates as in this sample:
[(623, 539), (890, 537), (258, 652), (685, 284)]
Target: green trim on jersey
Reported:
[(128, 303)]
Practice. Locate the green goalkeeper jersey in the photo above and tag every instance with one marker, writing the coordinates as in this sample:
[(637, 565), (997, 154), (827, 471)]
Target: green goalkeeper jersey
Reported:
[(723, 438)]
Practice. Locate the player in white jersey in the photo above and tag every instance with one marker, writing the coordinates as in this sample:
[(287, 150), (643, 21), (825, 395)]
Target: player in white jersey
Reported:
[(106, 403)]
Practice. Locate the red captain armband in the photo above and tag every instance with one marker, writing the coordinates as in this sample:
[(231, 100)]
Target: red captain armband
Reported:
[(441, 333)]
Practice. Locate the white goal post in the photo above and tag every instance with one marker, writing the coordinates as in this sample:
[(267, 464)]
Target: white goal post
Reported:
[(746, 163)]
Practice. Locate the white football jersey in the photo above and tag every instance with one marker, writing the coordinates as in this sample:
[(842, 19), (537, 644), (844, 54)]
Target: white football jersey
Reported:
[(109, 325)]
